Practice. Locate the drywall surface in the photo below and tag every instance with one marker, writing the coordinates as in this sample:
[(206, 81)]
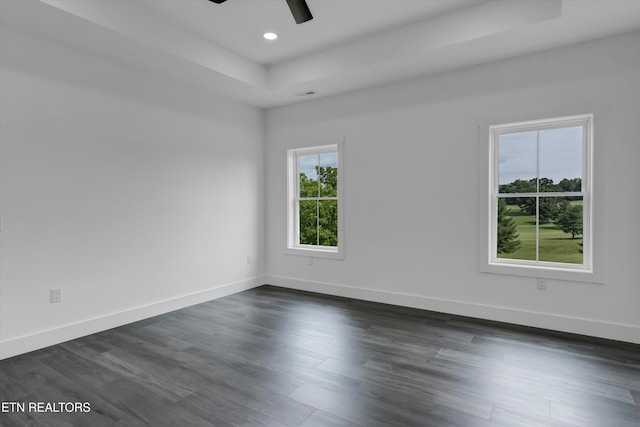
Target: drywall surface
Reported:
[(414, 156), (132, 194)]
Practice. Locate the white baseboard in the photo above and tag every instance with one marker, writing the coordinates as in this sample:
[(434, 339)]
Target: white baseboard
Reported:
[(615, 331), (23, 344), (590, 327)]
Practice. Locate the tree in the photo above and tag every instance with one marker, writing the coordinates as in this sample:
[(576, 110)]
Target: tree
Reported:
[(573, 184), (527, 205), (519, 186), (547, 185), (328, 222), (328, 179), (570, 218), (319, 218), (308, 186), (508, 238), (547, 212)]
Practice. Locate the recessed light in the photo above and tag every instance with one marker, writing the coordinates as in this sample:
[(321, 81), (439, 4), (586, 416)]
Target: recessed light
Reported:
[(270, 36)]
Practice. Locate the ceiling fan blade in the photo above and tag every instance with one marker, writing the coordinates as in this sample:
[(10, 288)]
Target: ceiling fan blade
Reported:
[(218, 1), (300, 11)]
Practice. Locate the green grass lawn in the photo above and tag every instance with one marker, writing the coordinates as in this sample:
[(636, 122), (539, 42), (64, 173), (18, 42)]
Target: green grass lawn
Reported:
[(555, 246)]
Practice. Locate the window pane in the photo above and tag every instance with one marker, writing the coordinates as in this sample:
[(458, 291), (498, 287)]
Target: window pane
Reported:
[(328, 174), (561, 159), (517, 169), (308, 222), (308, 166), (328, 218), (516, 228), (561, 237)]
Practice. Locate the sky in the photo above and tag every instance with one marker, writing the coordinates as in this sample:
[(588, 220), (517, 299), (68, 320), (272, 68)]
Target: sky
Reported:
[(309, 162), (560, 155)]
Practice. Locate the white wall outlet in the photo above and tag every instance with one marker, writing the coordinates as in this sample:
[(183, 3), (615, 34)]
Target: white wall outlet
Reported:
[(541, 284), (309, 260), (248, 259), (55, 295)]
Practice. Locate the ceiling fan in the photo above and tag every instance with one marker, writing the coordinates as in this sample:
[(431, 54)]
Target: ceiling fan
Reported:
[(299, 10)]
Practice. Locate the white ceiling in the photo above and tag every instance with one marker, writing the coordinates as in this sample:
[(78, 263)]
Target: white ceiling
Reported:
[(239, 24), (349, 45)]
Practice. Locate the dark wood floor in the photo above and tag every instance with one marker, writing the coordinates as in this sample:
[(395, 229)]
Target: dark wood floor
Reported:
[(277, 357)]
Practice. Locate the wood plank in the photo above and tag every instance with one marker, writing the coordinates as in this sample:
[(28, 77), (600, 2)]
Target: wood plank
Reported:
[(279, 357)]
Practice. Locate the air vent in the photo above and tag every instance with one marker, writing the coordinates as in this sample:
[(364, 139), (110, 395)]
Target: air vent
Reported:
[(306, 93)]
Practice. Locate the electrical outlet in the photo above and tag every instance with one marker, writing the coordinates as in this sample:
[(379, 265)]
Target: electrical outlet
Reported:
[(248, 259), (541, 284), (56, 295), (309, 260)]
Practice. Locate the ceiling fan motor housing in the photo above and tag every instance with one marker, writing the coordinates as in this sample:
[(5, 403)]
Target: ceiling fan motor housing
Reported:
[(299, 10)]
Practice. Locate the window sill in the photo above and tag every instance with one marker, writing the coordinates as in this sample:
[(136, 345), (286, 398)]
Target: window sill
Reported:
[(315, 252), (544, 272)]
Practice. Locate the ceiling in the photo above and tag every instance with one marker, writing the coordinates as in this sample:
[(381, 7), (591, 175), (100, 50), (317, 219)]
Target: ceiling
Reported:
[(349, 45), (239, 24)]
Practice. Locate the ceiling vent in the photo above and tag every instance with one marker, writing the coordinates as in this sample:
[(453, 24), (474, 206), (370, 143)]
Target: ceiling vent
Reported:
[(306, 93)]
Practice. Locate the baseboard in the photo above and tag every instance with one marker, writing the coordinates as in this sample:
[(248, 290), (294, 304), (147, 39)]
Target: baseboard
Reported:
[(575, 325), (24, 344), (608, 330)]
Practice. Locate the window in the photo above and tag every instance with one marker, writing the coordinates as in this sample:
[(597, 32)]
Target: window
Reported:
[(540, 201), (315, 201)]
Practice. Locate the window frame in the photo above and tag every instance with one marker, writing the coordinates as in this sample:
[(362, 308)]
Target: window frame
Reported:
[(543, 269), (293, 203)]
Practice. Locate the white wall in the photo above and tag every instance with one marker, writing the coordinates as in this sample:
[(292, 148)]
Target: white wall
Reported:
[(138, 195), (134, 194), (412, 185)]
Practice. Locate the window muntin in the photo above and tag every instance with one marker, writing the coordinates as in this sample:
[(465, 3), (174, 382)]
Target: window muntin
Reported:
[(540, 194), (314, 220)]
